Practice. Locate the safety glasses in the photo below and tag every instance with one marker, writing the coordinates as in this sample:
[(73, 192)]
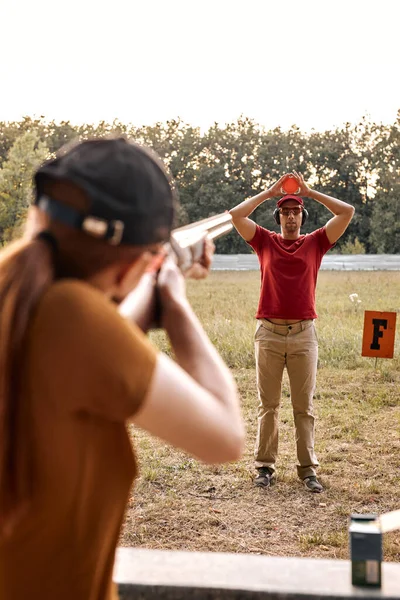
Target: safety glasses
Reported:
[(296, 210)]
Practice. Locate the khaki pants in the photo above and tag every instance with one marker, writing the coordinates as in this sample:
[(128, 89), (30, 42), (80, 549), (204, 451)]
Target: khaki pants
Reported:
[(296, 348)]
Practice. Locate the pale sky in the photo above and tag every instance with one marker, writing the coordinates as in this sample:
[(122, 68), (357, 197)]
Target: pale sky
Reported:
[(314, 63)]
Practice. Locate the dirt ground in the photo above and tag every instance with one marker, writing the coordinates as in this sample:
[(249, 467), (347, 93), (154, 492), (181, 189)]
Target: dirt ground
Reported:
[(178, 503)]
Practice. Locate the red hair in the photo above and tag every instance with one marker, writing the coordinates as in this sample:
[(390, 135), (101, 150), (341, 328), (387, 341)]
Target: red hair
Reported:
[(26, 270)]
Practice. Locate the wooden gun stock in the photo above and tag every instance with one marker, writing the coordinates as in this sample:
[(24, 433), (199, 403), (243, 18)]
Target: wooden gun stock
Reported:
[(187, 246)]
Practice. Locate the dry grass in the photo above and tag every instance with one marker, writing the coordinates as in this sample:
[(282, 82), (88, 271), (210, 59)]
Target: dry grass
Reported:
[(179, 503)]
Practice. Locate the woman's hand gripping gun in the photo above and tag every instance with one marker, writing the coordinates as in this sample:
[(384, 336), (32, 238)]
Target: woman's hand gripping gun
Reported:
[(190, 248)]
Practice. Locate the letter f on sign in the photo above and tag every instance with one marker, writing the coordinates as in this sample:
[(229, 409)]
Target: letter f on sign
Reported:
[(377, 323)]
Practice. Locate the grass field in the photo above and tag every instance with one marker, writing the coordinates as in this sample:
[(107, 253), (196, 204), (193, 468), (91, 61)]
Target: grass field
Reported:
[(179, 503)]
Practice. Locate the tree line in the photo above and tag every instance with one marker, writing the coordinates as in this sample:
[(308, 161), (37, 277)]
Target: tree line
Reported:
[(217, 169)]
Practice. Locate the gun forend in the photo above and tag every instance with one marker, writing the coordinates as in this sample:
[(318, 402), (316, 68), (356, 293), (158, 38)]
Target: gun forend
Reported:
[(187, 241)]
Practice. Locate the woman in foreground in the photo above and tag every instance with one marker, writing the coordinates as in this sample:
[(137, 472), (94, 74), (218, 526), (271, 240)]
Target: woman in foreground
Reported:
[(74, 372)]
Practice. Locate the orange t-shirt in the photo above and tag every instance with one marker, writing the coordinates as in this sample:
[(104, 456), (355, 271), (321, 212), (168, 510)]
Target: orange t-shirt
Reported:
[(87, 373)]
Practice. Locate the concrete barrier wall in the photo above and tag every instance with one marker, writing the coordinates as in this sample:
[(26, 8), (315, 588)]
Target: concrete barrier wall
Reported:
[(165, 575), (330, 262)]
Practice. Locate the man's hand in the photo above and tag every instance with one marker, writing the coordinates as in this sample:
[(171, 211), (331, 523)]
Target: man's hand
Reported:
[(305, 190), (201, 268), (275, 189), (170, 284)]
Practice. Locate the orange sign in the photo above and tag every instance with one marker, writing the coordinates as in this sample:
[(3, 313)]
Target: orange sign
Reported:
[(379, 332)]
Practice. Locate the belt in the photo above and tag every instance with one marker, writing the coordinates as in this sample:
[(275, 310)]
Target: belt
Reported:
[(286, 329)]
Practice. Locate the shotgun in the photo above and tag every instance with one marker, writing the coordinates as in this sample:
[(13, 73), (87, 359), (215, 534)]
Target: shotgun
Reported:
[(186, 245)]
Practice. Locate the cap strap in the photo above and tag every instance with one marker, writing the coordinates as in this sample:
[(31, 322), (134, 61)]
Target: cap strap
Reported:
[(59, 211), (112, 231)]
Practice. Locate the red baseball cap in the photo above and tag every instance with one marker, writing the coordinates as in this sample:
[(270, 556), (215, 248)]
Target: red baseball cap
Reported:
[(290, 197)]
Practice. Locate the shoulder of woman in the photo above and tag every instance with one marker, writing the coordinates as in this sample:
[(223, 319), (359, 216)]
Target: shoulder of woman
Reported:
[(72, 308)]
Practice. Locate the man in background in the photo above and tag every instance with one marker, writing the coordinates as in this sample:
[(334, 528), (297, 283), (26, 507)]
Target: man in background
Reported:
[(285, 334)]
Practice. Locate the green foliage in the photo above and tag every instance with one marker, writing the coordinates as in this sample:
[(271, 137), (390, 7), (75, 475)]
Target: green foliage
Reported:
[(219, 168), (353, 247), (24, 156), (385, 222)]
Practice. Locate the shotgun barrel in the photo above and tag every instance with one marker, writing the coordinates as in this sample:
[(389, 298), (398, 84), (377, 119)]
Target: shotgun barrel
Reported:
[(212, 227), (187, 241)]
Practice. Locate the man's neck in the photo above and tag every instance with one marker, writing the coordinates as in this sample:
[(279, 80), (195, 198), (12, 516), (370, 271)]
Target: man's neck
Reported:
[(290, 236)]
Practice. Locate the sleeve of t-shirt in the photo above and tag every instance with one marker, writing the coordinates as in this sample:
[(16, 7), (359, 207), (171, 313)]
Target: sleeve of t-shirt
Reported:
[(322, 240), (260, 238), (85, 357)]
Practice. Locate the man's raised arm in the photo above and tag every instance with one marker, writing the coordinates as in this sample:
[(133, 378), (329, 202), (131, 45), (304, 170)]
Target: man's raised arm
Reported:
[(343, 212), (240, 213)]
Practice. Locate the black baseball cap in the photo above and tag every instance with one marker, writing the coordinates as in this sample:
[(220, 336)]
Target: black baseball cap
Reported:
[(132, 199)]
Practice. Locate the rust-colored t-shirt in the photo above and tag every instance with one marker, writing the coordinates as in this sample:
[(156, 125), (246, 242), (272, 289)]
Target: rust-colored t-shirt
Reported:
[(87, 373), (289, 271)]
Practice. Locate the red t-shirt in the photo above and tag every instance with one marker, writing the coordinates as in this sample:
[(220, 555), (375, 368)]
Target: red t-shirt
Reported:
[(289, 270)]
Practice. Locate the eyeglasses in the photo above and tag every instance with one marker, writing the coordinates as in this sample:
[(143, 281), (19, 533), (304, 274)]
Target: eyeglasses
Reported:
[(296, 210)]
